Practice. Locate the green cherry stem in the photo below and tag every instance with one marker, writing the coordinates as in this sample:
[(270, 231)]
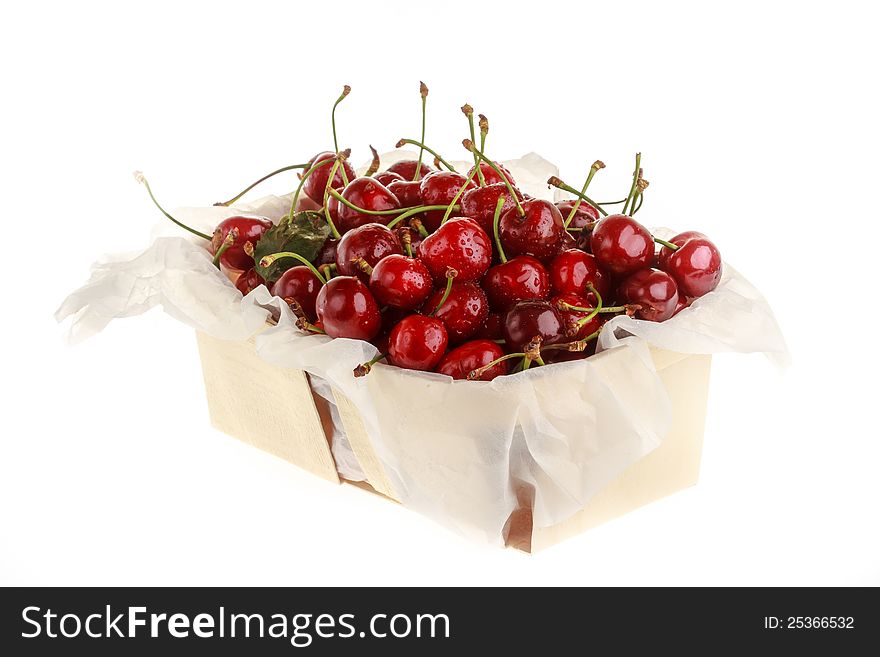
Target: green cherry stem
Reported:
[(598, 164), (422, 145), (562, 305), (469, 145), (263, 179), (419, 226), (327, 189), (328, 270), (668, 245), (142, 179), (364, 368), (468, 111), (345, 91), (495, 221), (480, 371), (632, 189), (623, 200), (556, 182), (413, 211), (403, 215), (302, 181), (423, 90), (267, 260), (450, 277), (228, 241), (577, 345), (458, 196)]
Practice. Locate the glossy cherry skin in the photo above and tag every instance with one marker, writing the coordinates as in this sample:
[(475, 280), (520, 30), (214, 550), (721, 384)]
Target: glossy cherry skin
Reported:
[(490, 176), (480, 204), (439, 188), (464, 311), (491, 328), (408, 192), (664, 252), (622, 245), (530, 319), (387, 177), (250, 229), (248, 281), (654, 290), (518, 279), (461, 244), (585, 214), (683, 302), (372, 242), (327, 252), (407, 169), (346, 309), (537, 233), (368, 194), (316, 183), (695, 266), (473, 355), (417, 342), (400, 281), (567, 242), (572, 270), (301, 284)]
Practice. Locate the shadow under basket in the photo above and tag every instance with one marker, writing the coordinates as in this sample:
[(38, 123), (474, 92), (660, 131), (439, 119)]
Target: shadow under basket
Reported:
[(278, 412)]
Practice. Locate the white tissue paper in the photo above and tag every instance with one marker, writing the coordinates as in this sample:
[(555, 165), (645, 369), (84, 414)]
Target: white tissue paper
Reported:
[(459, 452)]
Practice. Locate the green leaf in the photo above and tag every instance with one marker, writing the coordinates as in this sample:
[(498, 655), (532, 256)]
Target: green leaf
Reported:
[(304, 235)]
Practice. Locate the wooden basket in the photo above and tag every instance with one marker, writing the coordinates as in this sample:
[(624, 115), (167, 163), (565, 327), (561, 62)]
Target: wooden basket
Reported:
[(279, 413)]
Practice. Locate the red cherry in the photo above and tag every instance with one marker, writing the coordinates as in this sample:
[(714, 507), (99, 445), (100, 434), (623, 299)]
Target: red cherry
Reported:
[(490, 175), (316, 183), (536, 233), (439, 188), (461, 244), (368, 194), (346, 309), (567, 242), (464, 311), (585, 214), (654, 290), (479, 204), (683, 302), (401, 282), (573, 270), (250, 229), (407, 169), (678, 240), (248, 281), (530, 319), (695, 266), (622, 245), (518, 279), (387, 177), (301, 284), (327, 252), (491, 328), (408, 192), (372, 242), (417, 343), (472, 355)]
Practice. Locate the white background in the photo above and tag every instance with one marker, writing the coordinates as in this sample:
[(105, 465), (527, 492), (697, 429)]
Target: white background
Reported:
[(758, 125)]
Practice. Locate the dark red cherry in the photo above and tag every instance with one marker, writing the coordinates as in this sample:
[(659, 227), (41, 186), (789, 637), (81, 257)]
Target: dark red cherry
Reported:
[(683, 302), (472, 355), (372, 242), (439, 188), (573, 270), (518, 279), (301, 284), (464, 311), (664, 252), (408, 192), (401, 282), (479, 204), (654, 290), (530, 319), (567, 242), (417, 342), (491, 328), (695, 266), (622, 245), (346, 309), (537, 233), (316, 183), (387, 177), (461, 244), (585, 214), (390, 317), (250, 229), (490, 175), (327, 252), (248, 281), (368, 194), (407, 169)]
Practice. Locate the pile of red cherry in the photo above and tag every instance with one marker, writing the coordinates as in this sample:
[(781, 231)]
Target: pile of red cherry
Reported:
[(461, 273)]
